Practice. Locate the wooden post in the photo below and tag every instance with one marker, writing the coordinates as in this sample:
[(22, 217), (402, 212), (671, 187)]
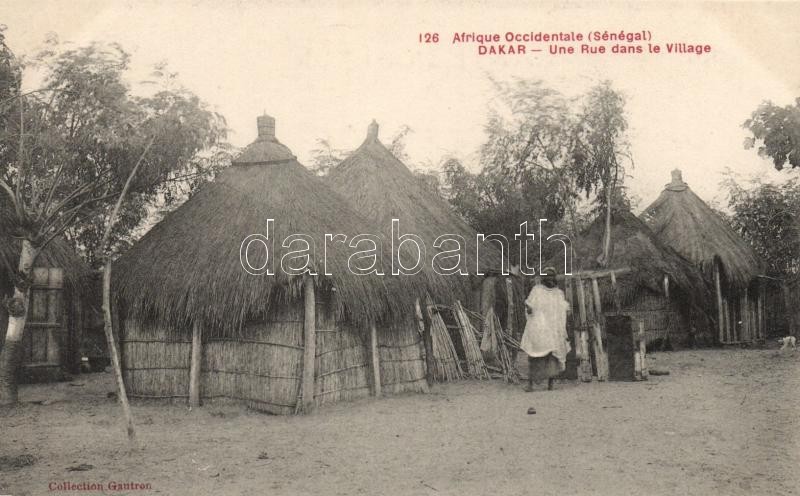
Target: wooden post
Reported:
[(745, 311), (636, 335), (487, 294), (194, 367), (572, 320), (615, 290), (789, 305), (582, 340), (309, 343), (720, 309), (599, 352), (427, 341), (760, 311), (597, 328), (374, 360), (598, 307), (511, 322), (727, 320), (643, 353)]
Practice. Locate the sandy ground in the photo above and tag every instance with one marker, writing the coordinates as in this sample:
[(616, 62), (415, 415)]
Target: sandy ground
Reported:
[(723, 422)]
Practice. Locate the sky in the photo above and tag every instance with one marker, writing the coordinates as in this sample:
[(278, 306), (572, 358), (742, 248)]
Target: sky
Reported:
[(326, 69)]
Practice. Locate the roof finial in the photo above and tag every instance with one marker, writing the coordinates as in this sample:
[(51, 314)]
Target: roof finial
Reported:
[(266, 127), (677, 183), (372, 130)]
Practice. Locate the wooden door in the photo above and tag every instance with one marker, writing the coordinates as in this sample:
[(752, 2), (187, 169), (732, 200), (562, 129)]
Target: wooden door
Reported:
[(45, 326)]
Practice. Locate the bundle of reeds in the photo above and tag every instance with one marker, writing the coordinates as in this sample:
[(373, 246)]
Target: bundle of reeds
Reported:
[(503, 364), (476, 367), (448, 367)]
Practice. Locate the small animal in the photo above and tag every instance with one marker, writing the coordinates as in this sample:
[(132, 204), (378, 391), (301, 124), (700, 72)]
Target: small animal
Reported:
[(788, 342)]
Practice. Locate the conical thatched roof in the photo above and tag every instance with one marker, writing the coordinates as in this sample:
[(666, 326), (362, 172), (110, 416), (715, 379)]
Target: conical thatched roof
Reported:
[(635, 246), (188, 266), (382, 188), (683, 221)]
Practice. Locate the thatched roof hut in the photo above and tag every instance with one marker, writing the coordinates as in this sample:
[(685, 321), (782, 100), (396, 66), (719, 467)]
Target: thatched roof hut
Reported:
[(683, 221), (382, 188), (636, 247), (188, 265), (185, 277), (643, 262), (686, 223)]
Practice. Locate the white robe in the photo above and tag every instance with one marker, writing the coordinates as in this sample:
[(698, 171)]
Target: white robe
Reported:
[(546, 329)]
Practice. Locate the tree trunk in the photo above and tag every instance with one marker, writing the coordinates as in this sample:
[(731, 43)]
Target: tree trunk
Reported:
[(606, 257), (11, 354), (112, 350)]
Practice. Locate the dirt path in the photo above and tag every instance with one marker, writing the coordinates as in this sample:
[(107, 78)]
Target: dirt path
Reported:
[(723, 422)]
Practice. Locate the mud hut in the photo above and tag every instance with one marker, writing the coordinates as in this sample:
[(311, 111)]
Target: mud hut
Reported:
[(60, 305), (380, 187), (194, 323), (652, 283), (686, 223)]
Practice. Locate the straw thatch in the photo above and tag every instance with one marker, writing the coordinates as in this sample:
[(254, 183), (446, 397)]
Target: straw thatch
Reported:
[(187, 272), (684, 222), (636, 247), (640, 293), (382, 188), (188, 266)]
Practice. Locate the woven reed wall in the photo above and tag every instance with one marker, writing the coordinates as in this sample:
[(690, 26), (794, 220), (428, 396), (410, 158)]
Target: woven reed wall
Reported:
[(263, 365), (402, 358), (155, 363), (660, 316), (342, 364)]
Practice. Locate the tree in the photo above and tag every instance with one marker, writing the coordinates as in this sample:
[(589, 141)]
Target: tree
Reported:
[(777, 130), (70, 150), (325, 157), (541, 156), (766, 215), (491, 201), (600, 150)]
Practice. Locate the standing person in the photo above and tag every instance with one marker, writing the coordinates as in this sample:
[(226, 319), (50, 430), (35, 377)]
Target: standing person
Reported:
[(545, 338)]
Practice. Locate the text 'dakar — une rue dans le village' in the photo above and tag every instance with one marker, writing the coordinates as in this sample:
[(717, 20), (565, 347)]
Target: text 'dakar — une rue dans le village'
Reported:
[(594, 42)]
